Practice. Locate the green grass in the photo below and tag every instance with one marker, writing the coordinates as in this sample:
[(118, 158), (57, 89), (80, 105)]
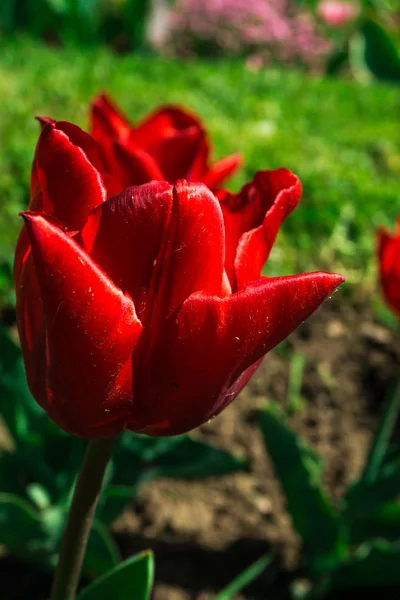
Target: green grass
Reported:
[(343, 140)]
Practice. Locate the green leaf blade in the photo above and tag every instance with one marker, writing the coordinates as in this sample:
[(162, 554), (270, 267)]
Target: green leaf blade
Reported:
[(139, 459), (381, 52), (245, 577), (130, 580), (102, 553), (380, 444), (299, 473)]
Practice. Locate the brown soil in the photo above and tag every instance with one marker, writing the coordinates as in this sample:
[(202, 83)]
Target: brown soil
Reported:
[(204, 533)]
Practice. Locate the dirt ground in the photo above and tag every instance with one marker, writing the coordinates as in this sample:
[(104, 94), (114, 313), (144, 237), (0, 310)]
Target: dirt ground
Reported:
[(204, 533)]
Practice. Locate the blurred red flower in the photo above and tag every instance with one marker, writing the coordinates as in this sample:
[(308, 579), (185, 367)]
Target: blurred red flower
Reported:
[(147, 310), (169, 144), (389, 266)]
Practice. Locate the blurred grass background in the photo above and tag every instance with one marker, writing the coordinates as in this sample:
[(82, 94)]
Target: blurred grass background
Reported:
[(340, 137)]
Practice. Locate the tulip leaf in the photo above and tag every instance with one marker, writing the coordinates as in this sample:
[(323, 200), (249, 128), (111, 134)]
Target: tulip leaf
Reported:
[(363, 497), (298, 470), (382, 523), (21, 527), (38, 495), (30, 533), (381, 54), (192, 459), (245, 577), (53, 521), (102, 553), (370, 508), (144, 449), (382, 437), (130, 580), (373, 565), (139, 459), (36, 535)]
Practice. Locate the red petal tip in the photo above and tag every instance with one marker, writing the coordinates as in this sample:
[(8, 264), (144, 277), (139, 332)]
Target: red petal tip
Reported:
[(34, 221), (100, 97), (239, 157), (30, 220), (26, 215), (30, 215), (45, 120), (336, 280), (383, 232)]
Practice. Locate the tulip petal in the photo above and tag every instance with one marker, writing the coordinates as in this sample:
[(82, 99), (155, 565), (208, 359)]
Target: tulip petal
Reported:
[(389, 267), (91, 331), (135, 166), (159, 244), (252, 220), (199, 165), (43, 120), (193, 371), (94, 153), (175, 154), (91, 148), (70, 184), (22, 247), (82, 140), (107, 121), (161, 123), (221, 170), (30, 322), (175, 139)]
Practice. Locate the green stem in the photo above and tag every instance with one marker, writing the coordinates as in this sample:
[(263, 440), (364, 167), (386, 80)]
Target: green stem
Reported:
[(80, 517)]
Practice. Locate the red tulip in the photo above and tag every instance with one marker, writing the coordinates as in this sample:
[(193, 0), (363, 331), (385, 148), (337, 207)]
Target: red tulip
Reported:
[(147, 310), (168, 145), (389, 267)]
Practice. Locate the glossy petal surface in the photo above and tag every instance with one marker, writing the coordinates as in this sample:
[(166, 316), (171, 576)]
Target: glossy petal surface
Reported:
[(167, 242), (31, 327), (220, 171), (192, 372), (135, 166), (252, 219), (70, 184), (91, 331), (107, 121), (389, 267), (163, 123), (176, 153)]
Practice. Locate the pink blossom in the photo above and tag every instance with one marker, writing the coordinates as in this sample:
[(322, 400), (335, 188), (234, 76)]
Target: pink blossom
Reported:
[(337, 13), (271, 29)]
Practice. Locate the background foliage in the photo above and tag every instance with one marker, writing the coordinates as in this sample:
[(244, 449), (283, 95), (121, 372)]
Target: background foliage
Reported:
[(350, 173), (83, 22)]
